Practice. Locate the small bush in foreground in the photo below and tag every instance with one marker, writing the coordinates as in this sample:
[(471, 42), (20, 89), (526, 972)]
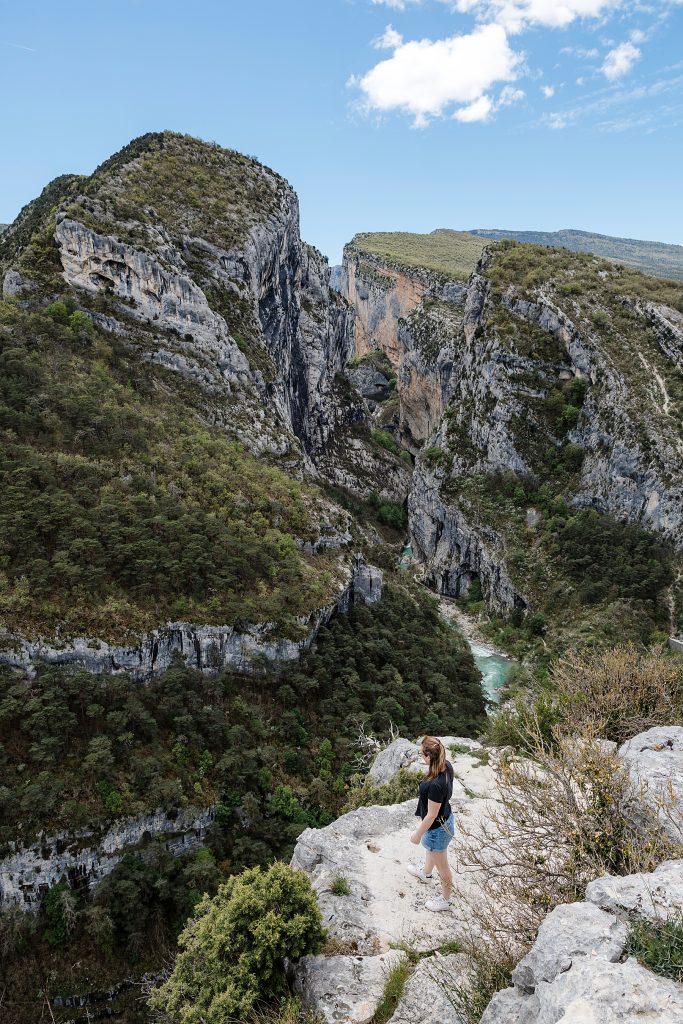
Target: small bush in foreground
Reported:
[(393, 991), (658, 945), (340, 887), (486, 970), (231, 952)]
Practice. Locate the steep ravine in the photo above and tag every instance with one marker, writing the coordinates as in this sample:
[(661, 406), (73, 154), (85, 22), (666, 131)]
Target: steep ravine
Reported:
[(479, 379)]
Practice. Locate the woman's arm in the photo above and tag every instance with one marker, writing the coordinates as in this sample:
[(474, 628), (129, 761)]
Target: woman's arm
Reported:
[(433, 808)]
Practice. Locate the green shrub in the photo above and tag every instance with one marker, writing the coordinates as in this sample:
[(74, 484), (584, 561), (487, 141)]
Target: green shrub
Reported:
[(658, 945), (394, 988), (362, 792), (435, 457), (386, 440), (339, 886), (231, 952), (59, 907)]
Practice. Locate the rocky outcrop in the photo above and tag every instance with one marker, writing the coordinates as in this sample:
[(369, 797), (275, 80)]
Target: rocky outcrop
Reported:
[(492, 377), (576, 969), (161, 295), (412, 315), (384, 907), (425, 999), (655, 764), (380, 293), (207, 648), (454, 551), (275, 287), (84, 858), (632, 464), (345, 988), (427, 339), (656, 896), (402, 753)]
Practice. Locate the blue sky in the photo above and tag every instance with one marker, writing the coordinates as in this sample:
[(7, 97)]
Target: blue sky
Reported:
[(383, 114)]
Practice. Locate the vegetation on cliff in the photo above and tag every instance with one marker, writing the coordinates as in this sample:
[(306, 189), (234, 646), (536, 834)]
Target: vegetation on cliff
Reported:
[(113, 485), (274, 754), (657, 258), (232, 951), (450, 253), (593, 575)]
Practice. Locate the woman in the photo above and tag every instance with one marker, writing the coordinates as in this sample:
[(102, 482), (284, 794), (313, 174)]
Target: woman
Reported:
[(437, 827)]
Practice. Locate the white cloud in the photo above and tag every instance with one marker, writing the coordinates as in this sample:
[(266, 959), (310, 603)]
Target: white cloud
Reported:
[(510, 95), (396, 5), (548, 91), (424, 77), (389, 40), (578, 51), (479, 110), (516, 15), (620, 60)]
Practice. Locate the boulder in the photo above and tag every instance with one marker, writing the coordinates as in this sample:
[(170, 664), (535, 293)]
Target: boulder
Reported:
[(402, 753), (573, 973), (388, 763), (511, 1007), (570, 931), (655, 764), (654, 896), (595, 991), (344, 989), (425, 999)]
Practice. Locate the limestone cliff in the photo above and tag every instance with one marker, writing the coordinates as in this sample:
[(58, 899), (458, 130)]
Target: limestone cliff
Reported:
[(577, 395), (553, 369), (409, 313), (187, 259)]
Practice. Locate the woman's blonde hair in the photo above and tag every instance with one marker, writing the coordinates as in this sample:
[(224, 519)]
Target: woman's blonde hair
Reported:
[(436, 752)]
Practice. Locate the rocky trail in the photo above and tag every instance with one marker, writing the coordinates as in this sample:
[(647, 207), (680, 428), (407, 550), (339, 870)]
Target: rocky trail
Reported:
[(577, 972)]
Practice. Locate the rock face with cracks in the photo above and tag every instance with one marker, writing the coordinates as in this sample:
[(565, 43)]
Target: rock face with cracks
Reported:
[(655, 763), (208, 648)]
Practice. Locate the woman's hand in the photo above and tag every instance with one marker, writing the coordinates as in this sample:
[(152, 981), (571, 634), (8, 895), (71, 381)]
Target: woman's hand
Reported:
[(415, 838)]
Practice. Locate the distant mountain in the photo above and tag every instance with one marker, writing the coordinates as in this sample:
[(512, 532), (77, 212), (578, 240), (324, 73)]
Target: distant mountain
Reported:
[(656, 258)]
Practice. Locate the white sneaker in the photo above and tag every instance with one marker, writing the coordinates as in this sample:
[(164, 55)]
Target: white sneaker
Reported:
[(418, 871), (438, 903)]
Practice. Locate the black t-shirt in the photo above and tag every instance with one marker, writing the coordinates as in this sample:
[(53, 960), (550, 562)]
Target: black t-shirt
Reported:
[(440, 790)]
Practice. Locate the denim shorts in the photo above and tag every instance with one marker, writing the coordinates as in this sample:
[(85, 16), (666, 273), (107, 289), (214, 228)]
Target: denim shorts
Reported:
[(437, 839)]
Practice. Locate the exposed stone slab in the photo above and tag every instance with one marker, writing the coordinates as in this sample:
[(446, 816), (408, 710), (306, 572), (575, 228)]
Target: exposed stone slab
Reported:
[(344, 989), (655, 896), (399, 754), (655, 763), (425, 999), (599, 992), (371, 849), (511, 1007), (570, 931)]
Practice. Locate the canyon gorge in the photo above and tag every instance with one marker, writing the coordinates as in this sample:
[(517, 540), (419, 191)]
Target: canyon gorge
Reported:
[(232, 479)]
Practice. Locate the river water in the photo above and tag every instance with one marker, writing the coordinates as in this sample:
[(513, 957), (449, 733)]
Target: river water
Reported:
[(494, 667)]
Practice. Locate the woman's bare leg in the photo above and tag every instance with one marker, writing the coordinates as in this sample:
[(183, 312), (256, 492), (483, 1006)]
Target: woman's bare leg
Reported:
[(440, 861), (429, 862)]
